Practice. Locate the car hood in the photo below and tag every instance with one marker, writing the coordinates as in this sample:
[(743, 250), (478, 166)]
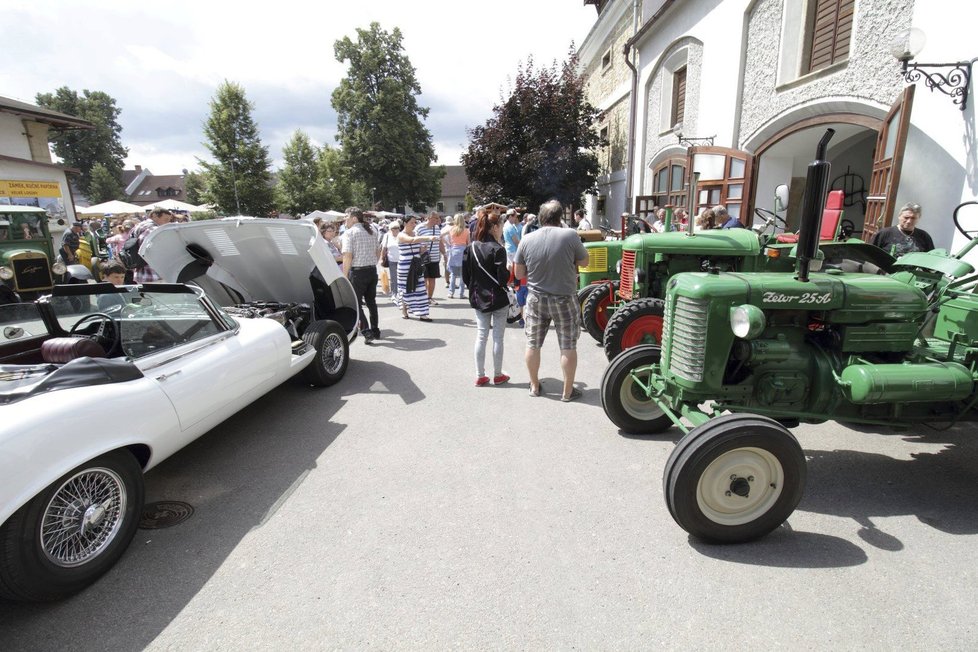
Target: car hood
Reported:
[(260, 259)]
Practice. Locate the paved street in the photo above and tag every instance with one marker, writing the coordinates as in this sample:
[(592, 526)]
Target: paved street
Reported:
[(405, 508)]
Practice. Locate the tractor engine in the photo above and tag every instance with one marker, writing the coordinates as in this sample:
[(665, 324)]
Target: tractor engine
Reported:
[(836, 346)]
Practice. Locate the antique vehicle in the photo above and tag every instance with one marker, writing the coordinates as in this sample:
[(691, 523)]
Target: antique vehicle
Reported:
[(747, 355), (28, 264), (630, 313), (174, 360)]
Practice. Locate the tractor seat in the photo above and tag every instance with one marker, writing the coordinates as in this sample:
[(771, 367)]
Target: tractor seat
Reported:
[(59, 350), (831, 215)]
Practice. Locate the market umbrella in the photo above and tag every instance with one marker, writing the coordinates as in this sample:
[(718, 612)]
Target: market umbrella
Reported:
[(113, 207), (174, 205), (328, 216)]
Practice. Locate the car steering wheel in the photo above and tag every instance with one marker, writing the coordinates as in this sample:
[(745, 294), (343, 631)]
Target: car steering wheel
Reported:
[(961, 229), (106, 335)]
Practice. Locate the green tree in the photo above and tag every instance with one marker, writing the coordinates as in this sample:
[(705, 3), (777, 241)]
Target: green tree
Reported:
[(379, 122), (239, 180), (84, 148), (299, 190), (104, 185), (194, 185), (539, 143), (338, 189)]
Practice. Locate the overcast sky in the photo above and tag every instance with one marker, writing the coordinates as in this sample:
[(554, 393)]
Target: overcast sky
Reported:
[(163, 61)]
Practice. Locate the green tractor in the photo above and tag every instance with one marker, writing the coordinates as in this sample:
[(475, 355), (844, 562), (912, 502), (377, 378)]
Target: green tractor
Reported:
[(627, 313), (746, 355)]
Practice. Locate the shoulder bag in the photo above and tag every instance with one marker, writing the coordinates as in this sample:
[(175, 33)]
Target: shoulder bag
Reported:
[(514, 306)]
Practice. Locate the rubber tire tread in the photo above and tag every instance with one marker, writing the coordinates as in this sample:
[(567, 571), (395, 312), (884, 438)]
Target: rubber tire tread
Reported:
[(591, 305), (705, 443), (315, 336), (619, 322), (611, 382)]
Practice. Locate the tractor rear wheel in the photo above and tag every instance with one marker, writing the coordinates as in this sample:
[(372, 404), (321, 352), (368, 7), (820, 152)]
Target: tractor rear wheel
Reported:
[(624, 401), (734, 478), (582, 296), (637, 322), (595, 312)]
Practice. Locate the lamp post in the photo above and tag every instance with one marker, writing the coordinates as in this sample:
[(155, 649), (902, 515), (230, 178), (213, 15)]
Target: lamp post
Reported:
[(373, 202), (954, 83)]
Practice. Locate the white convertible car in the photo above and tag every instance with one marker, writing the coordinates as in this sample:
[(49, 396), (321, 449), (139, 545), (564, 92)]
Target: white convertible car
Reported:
[(252, 303)]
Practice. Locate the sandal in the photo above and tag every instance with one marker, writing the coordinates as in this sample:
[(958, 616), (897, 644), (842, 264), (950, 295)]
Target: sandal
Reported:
[(574, 395), (425, 319), (539, 389)]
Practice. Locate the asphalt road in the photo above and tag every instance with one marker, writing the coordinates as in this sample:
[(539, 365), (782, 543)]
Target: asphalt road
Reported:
[(405, 508)]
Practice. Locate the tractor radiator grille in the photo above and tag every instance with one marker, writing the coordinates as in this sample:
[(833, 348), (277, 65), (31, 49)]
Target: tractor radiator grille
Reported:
[(625, 287), (597, 261), (686, 325), (31, 272)]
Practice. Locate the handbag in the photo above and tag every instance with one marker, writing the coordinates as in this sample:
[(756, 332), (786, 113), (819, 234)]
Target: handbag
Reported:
[(514, 311), (415, 271)]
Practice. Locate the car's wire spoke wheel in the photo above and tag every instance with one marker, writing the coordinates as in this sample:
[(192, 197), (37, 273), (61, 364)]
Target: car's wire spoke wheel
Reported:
[(333, 352), (83, 517)]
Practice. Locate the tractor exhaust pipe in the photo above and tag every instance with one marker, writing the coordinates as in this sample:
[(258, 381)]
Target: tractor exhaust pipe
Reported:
[(813, 203)]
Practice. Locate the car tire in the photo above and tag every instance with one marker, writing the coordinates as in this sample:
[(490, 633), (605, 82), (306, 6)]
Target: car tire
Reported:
[(98, 503), (624, 402), (734, 478), (332, 357), (637, 322), (595, 312)]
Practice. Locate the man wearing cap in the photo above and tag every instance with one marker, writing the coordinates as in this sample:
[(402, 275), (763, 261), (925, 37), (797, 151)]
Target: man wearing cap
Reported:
[(70, 242)]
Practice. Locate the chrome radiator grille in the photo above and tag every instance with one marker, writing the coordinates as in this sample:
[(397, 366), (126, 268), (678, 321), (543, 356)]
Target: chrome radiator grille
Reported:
[(31, 271), (686, 325)]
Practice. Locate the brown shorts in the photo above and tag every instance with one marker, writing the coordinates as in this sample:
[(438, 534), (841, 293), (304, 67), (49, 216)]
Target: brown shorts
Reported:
[(432, 270)]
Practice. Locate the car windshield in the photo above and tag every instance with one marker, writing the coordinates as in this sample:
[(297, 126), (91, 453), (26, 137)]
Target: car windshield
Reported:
[(148, 321), (20, 321)]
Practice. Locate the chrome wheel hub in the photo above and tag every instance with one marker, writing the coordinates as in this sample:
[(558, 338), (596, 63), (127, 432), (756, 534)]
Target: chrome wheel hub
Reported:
[(83, 517)]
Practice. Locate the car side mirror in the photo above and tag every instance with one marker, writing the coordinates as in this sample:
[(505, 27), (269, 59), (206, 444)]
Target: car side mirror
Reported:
[(781, 198)]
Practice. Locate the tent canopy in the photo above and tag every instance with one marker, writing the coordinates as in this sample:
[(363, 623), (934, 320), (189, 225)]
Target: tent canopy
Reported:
[(174, 205), (113, 207), (328, 216)]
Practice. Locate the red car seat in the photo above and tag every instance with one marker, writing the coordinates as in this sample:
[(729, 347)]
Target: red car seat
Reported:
[(59, 350)]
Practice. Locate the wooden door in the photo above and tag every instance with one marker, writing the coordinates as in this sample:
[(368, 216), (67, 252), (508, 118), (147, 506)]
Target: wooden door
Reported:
[(725, 177), (887, 162)]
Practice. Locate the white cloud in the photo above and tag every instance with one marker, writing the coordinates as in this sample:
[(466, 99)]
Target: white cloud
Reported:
[(162, 62)]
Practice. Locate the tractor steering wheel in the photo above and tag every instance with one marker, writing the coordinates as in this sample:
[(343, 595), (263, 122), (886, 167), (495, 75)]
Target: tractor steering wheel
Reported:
[(765, 215), (961, 229), (106, 335)]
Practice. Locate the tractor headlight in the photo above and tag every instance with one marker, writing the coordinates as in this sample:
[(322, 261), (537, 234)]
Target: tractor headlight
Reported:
[(747, 321), (618, 268), (58, 268), (6, 273)]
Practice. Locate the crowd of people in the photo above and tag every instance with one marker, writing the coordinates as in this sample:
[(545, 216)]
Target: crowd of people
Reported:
[(490, 258)]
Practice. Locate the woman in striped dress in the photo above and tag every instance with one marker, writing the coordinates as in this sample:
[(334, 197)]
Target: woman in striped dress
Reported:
[(414, 300)]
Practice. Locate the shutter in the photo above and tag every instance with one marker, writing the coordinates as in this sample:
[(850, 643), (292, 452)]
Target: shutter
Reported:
[(679, 96), (831, 32)]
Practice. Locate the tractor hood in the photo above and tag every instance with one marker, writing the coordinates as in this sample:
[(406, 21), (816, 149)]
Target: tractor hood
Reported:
[(718, 242), (256, 259)]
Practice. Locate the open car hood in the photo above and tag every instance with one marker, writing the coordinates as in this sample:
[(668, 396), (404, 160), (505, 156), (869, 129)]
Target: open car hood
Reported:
[(258, 259)]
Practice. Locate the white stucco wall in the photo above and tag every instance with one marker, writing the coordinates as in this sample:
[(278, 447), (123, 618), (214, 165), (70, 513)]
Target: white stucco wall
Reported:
[(13, 142)]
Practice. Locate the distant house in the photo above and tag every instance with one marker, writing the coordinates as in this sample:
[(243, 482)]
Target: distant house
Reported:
[(28, 176), (454, 186), (144, 188)]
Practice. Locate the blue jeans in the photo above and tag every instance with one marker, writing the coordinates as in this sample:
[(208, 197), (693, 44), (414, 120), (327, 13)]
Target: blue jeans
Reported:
[(484, 321), (455, 274)]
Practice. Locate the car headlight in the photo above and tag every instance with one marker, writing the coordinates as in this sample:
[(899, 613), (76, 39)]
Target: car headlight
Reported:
[(6, 273), (747, 321), (58, 267)]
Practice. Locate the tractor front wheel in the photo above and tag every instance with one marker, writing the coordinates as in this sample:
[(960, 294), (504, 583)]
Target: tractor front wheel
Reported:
[(624, 400), (637, 322), (582, 296), (734, 478), (595, 312)]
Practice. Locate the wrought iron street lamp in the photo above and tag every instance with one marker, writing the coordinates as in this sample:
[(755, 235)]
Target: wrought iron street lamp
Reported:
[(954, 79)]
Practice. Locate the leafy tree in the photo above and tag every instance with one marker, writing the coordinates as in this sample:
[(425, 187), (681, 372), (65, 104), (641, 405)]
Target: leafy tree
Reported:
[(84, 148), (379, 123), (299, 188), (195, 185), (339, 190), (539, 143), (242, 162), (104, 185)]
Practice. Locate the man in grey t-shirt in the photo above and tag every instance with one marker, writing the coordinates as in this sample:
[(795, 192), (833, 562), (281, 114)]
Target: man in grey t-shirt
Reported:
[(548, 259)]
